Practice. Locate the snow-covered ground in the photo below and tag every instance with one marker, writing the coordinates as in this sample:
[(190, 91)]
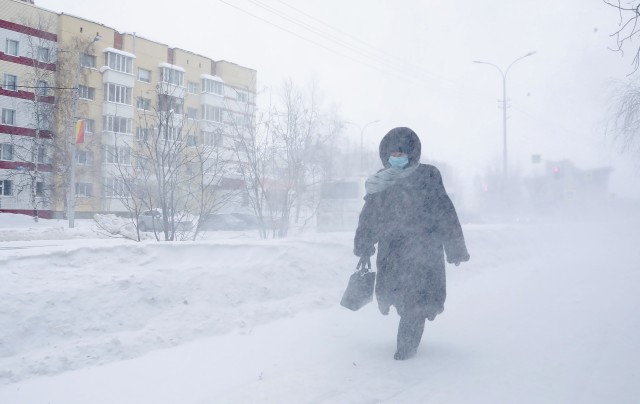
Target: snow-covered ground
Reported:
[(543, 313)]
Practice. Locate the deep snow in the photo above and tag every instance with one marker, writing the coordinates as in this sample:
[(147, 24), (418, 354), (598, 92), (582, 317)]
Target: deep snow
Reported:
[(543, 313)]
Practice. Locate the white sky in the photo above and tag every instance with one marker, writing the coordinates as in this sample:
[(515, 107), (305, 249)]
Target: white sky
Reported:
[(409, 63)]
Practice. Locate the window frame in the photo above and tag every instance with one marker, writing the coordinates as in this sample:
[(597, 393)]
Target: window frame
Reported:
[(90, 92), (5, 114), (6, 82), (4, 185), (7, 47), (3, 152)]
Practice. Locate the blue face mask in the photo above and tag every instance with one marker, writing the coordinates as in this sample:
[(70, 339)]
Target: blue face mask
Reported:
[(398, 162)]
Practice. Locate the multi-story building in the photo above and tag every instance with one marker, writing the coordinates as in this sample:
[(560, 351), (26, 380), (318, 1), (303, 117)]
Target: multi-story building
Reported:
[(125, 88), (28, 40)]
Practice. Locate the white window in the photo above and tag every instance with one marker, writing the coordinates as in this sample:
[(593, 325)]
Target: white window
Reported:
[(212, 138), (242, 96), (117, 93), (86, 93), (6, 151), (117, 155), (211, 113), (84, 157), (192, 87), (5, 187), (143, 103), (11, 47), (43, 54), (172, 76), (87, 60), (171, 133), (10, 82), (212, 86), (89, 125), (142, 133), (115, 187), (8, 116), (144, 75), (117, 124), (170, 103), (83, 189), (192, 113), (118, 62), (42, 88)]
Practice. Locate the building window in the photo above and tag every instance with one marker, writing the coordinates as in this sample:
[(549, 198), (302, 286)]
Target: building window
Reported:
[(115, 187), (117, 155), (39, 188), (43, 54), (212, 87), (118, 62), (11, 47), (242, 96), (87, 60), (192, 113), (144, 75), (11, 82), (172, 76), (84, 157), (117, 93), (171, 133), (6, 151), (8, 116), (212, 138), (89, 125), (192, 87), (167, 103), (42, 88), (83, 189), (42, 154), (142, 133), (143, 103), (86, 93), (211, 113), (117, 124), (5, 187)]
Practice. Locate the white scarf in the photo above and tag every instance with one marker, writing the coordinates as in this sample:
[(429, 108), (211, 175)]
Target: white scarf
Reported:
[(382, 180)]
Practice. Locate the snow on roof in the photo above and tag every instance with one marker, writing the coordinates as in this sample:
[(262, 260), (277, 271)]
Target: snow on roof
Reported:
[(118, 51), (170, 66), (210, 77)]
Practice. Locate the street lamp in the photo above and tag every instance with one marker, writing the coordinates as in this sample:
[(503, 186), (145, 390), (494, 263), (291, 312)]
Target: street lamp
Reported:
[(362, 129), (71, 193), (504, 107)]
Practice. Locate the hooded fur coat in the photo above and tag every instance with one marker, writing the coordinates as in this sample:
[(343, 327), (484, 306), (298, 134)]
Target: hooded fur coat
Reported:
[(414, 224)]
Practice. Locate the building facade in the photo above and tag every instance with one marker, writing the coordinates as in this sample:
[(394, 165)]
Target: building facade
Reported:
[(126, 89)]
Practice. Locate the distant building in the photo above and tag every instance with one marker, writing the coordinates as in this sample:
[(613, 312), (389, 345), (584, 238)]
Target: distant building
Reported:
[(564, 185)]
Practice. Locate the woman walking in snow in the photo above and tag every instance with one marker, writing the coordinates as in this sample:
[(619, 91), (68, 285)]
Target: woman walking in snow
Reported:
[(408, 213)]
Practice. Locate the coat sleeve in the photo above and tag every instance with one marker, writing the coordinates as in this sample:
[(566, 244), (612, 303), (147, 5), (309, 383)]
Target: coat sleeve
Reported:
[(367, 231), (449, 225)]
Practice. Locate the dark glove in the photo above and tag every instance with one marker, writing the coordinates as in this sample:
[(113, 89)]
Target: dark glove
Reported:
[(364, 263)]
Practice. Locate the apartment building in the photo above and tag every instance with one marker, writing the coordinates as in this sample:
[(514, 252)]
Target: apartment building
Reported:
[(124, 88), (28, 39)]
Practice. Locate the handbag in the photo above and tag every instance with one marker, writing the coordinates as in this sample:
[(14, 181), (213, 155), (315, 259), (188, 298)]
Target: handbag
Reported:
[(359, 290)]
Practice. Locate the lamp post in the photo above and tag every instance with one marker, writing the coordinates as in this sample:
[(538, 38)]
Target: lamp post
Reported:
[(504, 107), (362, 129), (71, 193)]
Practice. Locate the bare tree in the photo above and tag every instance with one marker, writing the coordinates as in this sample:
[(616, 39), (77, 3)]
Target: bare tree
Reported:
[(34, 151), (629, 26)]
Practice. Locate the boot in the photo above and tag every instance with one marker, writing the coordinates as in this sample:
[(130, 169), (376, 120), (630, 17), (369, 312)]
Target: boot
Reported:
[(410, 332)]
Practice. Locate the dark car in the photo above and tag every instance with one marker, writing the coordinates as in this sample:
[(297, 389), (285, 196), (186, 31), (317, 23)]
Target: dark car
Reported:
[(151, 220)]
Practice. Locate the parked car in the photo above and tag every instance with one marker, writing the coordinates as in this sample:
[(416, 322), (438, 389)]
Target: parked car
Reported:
[(230, 221), (151, 220)]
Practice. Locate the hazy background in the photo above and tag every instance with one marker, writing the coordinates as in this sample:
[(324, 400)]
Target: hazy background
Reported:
[(409, 63)]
